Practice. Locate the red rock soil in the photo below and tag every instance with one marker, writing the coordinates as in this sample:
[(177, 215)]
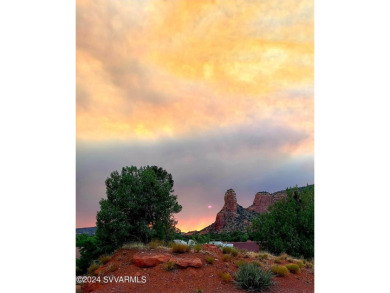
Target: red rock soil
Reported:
[(207, 278)]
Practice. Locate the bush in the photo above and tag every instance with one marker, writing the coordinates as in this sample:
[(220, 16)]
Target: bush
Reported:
[(226, 250), (169, 266), (154, 244), (226, 277), (300, 264), (279, 270), (278, 260), (252, 278), (105, 258), (209, 260), (234, 252), (283, 256), (239, 263), (294, 268), (309, 265), (180, 248), (92, 268), (226, 257), (289, 226), (262, 256), (197, 247)]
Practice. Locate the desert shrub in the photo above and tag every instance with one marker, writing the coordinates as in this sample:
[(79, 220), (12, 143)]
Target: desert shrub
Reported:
[(289, 226), (278, 260), (279, 270), (257, 263), (169, 266), (226, 250), (154, 244), (180, 248), (105, 258), (309, 265), (300, 264), (92, 268), (283, 256), (197, 247), (226, 277), (226, 257), (209, 260), (294, 268), (252, 278), (263, 256), (234, 252), (198, 290), (239, 263)]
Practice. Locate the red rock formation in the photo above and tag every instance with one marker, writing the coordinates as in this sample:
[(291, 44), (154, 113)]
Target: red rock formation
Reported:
[(147, 260), (261, 203), (230, 201), (187, 262)]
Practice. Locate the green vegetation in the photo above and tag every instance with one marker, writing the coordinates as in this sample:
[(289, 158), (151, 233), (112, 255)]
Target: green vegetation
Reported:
[(239, 263), (300, 264), (226, 257), (250, 277), (263, 256), (289, 226), (279, 270), (278, 260), (169, 266), (226, 250), (197, 247), (294, 268), (139, 206), (180, 248), (209, 260), (226, 277)]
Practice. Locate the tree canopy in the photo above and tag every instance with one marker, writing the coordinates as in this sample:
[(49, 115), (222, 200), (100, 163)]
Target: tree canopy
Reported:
[(140, 204), (289, 226)]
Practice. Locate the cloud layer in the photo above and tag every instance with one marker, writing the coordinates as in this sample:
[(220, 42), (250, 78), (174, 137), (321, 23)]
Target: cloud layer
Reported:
[(220, 93)]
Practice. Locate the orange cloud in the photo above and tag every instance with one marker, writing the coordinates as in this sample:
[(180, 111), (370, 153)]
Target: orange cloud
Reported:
[(152, 69)]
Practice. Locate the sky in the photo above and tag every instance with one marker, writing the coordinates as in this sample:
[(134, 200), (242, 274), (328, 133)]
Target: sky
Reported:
[(218, 93)]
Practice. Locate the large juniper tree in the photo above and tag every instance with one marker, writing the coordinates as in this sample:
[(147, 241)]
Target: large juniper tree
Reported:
[(139, 206)]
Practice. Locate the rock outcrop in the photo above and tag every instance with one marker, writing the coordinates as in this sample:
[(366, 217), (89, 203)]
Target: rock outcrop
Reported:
[(232, 216)]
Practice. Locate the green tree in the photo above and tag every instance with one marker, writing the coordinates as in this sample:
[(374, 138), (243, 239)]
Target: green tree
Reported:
[(139, 206), (88, 252), (289, 226)]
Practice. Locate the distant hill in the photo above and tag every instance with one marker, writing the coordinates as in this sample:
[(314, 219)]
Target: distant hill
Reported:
[(88, 230)]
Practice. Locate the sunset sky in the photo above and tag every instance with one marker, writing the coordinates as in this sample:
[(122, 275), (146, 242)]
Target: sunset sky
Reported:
[(218, 93)]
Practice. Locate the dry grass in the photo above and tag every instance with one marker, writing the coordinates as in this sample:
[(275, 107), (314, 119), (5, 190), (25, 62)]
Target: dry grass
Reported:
[(226, 257), (262, 256), (226, 277), (209, 260), (105, 258), (299, 263), (278, 260), (132, 245), (279, 270), (180, 248), (284, 256), (155, 243), (92, 268), (169, 266), (197, 247), (294, 268), (309, 265), (239, 263), (226, 250)]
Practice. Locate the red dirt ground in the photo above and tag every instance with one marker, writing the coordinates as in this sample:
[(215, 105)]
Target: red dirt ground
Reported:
[(190, 279)]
